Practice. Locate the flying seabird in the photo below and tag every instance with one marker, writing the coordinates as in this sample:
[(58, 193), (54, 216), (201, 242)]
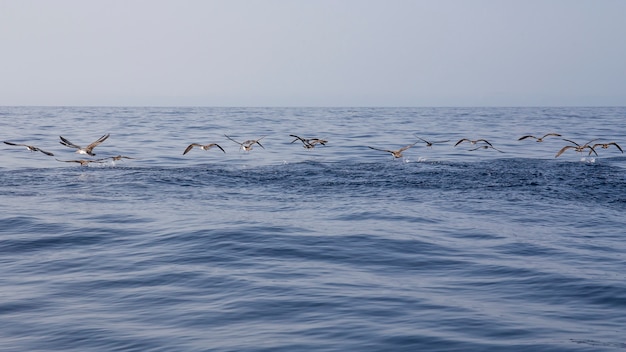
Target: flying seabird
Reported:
[(486, 147), (395, 153), (203, 147), (606, 146), (82, 162), (88, 149), (30, 147), (430, 144), (474, 141), (118, 157), (309, 143), (314, 141), (539, 139), (247, 145), (305, 142), (579, 148)]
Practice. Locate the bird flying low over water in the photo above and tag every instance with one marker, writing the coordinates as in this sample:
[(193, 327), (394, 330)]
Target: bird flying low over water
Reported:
[(309, 143), (606, 146), (203, 147), (577, 147), (118, 157), (472, 141), (82, 162), (539, 139), (88, 149), (430, 144), (395, 153), (486, 147), (247, 145), (29, 147), (304, 141), (314, 141)]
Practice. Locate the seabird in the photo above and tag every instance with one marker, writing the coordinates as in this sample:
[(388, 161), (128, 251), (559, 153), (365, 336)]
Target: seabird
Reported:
[(30, 147), (606, 146), (88, 149), (486, 147), (539, 139), (203, 147), (247, 145), (119, 157), (305, 142), (309, 143), (314, 141), (471, 141), (579, 148), (82, 162), (395, 153), (430, 144)]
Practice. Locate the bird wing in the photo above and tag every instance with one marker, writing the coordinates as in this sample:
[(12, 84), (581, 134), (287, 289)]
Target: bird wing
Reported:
[(67, 143), (43, 151), (527, 136), (217, 145), (590, 149), (297, 138), (96, 143), (233, 140), (257, 141), (596, 145), (551, 134), (563, 149), (11, 143), (568, 140), (406, 147), (382, 150), (71, 161), (190, 147), (615, 144), (483, 140), (461, 141)]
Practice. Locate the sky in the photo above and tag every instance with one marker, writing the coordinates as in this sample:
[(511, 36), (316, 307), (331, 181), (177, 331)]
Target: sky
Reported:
[(313, 52)]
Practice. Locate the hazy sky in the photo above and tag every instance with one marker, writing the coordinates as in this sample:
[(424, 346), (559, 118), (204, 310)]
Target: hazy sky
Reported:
[(313, 52)]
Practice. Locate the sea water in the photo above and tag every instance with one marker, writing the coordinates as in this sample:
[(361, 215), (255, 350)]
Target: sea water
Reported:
[(339, 247)]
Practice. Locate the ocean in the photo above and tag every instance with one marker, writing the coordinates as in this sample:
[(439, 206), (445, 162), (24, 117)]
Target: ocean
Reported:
[(339, 247)]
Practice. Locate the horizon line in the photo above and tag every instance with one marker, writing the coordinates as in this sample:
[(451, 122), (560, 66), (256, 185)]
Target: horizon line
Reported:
[(315, 106)]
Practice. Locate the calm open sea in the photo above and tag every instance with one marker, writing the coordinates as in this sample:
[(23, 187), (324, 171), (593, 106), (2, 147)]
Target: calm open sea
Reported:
[(334, 248)]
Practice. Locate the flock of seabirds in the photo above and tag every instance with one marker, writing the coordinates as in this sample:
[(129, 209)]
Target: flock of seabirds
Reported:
[(310, 143)]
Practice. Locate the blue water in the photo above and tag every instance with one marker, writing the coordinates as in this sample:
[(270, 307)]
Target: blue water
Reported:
[(336, 248)]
